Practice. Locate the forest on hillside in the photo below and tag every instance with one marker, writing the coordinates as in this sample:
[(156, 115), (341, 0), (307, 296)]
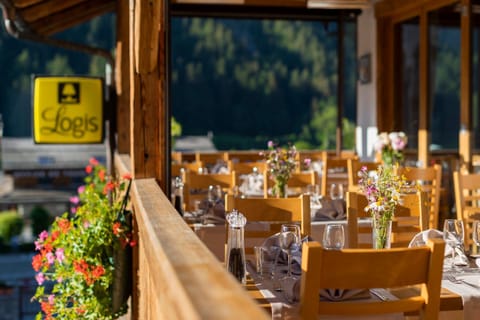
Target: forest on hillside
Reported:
[(247, 81)]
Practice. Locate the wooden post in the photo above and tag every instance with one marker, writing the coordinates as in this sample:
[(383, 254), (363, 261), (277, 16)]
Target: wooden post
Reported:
[(122, 78), (424, 112), (149, 147), (465, 134)]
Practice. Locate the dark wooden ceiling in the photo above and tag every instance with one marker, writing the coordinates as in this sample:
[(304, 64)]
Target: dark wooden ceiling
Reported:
[(46, 17)]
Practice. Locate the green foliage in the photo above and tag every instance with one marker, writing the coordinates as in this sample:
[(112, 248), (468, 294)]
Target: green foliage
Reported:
[(259, 79), (11, 224), (40, 218)]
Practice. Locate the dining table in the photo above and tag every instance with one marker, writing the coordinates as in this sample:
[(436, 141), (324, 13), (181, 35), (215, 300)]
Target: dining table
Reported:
[(460, 294)]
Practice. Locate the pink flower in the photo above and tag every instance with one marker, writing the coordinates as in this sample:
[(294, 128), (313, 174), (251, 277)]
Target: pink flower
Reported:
[(93, 161), (81, 189), (60, 255), (50, 258), (40, 277), (270, 144), (51, 299), (74, 200), (38, 245), (43, 235), (59, 279), (307, 162), (73, 210)]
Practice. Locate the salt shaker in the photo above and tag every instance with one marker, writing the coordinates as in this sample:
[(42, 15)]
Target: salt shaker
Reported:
[(236, 245), (178, 195)]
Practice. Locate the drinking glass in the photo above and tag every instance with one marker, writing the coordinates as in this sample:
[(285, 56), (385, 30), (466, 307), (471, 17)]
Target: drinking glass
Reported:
[(333, 236), (476, 232), (289, 239), (336, 191), (453, 234)]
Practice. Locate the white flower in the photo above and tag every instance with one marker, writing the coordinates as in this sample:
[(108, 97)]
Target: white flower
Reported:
[(382, 141), (398, 140)]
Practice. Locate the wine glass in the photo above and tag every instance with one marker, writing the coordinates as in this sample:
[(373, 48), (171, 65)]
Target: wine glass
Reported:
[(333, 236), (453, 234), (289, 239), (476, 232), (336, 191)]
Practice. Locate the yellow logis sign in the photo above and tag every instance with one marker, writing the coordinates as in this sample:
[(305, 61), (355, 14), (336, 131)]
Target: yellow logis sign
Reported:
[(68, 110)]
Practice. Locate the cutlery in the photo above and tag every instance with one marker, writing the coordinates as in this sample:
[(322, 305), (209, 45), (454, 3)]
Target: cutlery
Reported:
[(453, 279), (379, 295)]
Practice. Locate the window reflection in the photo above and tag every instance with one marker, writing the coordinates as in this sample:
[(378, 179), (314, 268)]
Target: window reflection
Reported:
[(444, 68)]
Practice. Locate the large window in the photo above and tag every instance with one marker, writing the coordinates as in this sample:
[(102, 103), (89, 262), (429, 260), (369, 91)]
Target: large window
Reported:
[(249, 81), (407, 93), (444, 53)]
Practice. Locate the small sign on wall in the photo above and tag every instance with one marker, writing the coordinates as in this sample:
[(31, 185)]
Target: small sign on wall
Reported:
[(68, 110)]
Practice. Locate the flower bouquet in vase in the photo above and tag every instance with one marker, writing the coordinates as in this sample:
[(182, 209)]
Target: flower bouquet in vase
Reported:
[(280, 164), (382, 190)]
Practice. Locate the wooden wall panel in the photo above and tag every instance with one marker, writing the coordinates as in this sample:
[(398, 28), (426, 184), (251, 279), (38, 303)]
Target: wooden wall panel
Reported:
[(149, 139), (122, 78)]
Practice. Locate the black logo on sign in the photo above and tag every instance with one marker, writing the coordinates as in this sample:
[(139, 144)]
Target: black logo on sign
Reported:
[(69, 93)]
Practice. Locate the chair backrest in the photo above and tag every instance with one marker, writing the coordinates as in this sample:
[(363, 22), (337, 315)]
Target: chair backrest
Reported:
[(244, 156), (298, 182), (210, 159), (334, 170), (370, 268), (196, 185), (409, 218), (176, 168), (353, 166), (429, 179), (467, 201), (275, 211), (246, 167)]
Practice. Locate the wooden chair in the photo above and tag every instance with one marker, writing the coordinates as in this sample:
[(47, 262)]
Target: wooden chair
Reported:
[(298, 182), (429, 179), (370, 268), (273, 210), (176, 168), (467, 201), (196, 185), (244, 156), (334, 170), (210, 159), (353, 166), (410, 218), (181, 157), (246, 167)]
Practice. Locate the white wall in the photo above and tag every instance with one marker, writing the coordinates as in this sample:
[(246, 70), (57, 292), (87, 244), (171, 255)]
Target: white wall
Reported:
[(366, 130)]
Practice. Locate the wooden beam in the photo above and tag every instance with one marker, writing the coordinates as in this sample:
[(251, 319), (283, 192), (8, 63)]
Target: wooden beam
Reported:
[(465, 134), (25, 3), (122, 78), (147, 24), (63, 20), (148, 144), (46, 8), (424, 112), (338, 4)]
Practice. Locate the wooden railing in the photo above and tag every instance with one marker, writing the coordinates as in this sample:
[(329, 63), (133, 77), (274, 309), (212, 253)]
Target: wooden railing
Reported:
[(177, 277)]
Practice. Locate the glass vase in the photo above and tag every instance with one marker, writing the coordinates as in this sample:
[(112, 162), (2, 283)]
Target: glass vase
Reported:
[(381, 232), (280, 189)]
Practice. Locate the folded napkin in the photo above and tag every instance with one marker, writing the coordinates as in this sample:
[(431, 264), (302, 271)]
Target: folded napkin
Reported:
[(330, 210), (215, 209), (344, 294), (291, 288), (420, 239)]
